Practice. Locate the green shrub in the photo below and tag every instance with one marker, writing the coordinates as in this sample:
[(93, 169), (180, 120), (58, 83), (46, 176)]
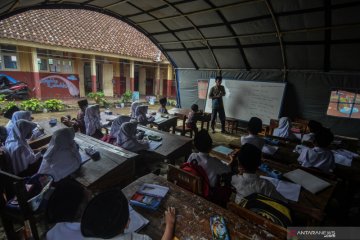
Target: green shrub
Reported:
[(53, 105), (98, 97), (126, 97), (33, 105), (6, 105)]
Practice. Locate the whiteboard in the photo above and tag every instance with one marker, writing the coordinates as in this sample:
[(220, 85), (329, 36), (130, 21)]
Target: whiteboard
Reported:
[(246, 99)]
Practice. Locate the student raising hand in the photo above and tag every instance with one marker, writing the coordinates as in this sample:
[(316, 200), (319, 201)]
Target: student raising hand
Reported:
[(170, 218)]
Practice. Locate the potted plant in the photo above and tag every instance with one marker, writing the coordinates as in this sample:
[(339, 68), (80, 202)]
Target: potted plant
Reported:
[(126, 97)]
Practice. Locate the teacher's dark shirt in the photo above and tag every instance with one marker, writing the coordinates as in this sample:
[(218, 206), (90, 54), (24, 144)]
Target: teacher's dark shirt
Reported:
[(217, 103)]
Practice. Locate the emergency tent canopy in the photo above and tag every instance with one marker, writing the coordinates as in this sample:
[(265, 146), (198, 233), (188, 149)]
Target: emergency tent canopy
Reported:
[(313, 46)]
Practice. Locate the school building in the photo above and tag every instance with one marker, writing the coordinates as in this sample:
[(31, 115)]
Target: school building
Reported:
[(66, 53)]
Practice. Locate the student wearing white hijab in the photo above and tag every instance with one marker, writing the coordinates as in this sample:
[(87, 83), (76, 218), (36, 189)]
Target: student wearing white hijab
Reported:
[(116, 125), (20, 152), (26, 115), (127, 138), (134, 105), (92, 121), (320, 156), (284, 129), (141, 117), (62, 156)]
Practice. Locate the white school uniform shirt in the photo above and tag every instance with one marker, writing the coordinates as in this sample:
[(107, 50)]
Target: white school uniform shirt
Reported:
[(20, 152), (309, 137), (254, 140), (65, 230), (126, 236), (62, 156), (92, 119), (211, 165), (284, 129), (249, 183), (317, 157)]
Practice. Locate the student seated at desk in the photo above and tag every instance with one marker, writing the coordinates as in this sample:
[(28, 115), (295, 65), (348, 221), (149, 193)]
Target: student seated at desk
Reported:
[(254, 127), (93, 121), (134, 105), (284, 129), (193, 117), (79, 122), (107, 217), (212, 166), (314, 127), (163, 102), (115, 129), (62, 156), (141, 117), (65, 208), (25, 115), (127, 138), (320, 156), (247, 181), (21, 154)]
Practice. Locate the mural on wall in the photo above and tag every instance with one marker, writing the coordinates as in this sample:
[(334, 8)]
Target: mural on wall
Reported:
[(57, 81)]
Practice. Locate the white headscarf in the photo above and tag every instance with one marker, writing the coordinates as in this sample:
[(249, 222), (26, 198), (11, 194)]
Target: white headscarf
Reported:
[(20, 152), (284, 129), (26, 115), (134, 105), (127, 138), (62, 156), (141, 110), (116, 125), (92, 119)]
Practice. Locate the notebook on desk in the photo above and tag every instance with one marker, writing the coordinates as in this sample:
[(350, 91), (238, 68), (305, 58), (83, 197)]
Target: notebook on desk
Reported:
[(137, 221), (308, 181)]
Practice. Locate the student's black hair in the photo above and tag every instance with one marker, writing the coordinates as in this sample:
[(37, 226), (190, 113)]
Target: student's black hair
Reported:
[(65, 202), (3, 134), (106, 215), (314, 126), (203, 141), (195, 107), (163, 101), (218, 78), (249, 157), (8, 113), (255, 125), (324, 137)]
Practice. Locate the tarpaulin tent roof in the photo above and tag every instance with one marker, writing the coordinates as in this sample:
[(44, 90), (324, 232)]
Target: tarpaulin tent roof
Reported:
[(319, 35)]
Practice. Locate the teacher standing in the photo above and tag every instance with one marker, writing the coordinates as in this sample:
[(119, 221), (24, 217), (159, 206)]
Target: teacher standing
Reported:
[(216, 94)]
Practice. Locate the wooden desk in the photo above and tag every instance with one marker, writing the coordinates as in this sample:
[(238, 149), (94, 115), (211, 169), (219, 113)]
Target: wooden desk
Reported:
[(115, 168), (173, 146), (180, 112), (192, 214), (165, 123), (48, 130), (107, 119), (306, 198)]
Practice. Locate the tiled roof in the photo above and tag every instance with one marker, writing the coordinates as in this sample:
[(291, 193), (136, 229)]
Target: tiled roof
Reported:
[(80, 29)]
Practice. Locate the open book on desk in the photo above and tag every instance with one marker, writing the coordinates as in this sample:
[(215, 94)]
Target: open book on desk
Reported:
[(137, 221), (288, 190), (308, 181)]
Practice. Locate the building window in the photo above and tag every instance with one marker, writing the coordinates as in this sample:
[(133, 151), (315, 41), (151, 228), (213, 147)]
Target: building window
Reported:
[(55, 65), (43, 65), (344, 103), (67, 66), (8, 58)]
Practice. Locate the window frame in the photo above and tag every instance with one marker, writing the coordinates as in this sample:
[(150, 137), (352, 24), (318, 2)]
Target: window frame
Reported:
[(4, 52)]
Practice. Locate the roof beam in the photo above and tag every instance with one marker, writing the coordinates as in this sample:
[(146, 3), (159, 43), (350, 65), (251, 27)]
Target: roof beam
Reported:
[(200, 11), (262, 34), (166, 27)]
